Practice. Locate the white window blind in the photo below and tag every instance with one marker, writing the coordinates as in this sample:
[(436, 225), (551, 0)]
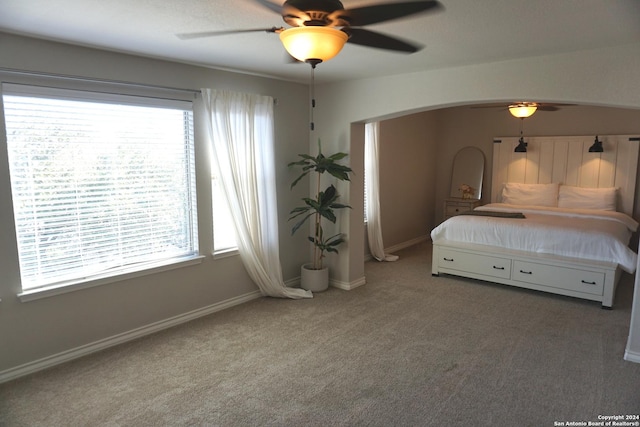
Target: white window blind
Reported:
[(100, 182)]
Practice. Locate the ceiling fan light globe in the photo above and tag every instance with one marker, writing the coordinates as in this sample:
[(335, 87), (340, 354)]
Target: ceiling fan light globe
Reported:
[(522, 111), (318, 43)]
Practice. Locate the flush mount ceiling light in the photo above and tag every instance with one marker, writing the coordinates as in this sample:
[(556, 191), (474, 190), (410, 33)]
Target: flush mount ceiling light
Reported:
[(313, 44), (522, 110)]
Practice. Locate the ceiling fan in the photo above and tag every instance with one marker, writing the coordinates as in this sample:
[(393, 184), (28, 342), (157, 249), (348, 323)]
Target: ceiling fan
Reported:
[(324, 26), (523, 110)]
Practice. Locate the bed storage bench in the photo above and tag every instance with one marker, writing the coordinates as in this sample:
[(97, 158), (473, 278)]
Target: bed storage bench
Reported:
[(593, 280)]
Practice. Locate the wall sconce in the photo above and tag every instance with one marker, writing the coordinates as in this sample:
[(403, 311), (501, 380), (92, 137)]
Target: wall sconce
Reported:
[(596, 147), (521, 147), (522, 110), (313, 44)]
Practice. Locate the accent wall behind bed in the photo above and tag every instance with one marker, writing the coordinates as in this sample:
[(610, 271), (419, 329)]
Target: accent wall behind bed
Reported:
[(567, 160)]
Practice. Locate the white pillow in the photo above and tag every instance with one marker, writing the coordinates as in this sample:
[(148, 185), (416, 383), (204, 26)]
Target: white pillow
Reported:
[(587, 198), (530, 194)]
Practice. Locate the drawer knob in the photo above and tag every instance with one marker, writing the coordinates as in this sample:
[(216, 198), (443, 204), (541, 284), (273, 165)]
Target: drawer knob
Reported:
[(588, 283), (498, 268), (448, 259), (525, 272)]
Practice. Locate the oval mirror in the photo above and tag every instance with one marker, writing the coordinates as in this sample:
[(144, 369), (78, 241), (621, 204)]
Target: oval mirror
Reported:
[(467, 174)]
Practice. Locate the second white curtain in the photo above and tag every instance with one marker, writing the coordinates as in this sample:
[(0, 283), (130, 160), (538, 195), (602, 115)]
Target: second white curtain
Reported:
[(372, 186), (241, 136)]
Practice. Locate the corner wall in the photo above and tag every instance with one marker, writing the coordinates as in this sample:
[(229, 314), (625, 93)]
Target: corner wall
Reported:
[(408, 161), (47, 330)]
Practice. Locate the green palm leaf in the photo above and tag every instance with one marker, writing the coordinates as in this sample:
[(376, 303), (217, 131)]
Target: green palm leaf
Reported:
[(324, 204)]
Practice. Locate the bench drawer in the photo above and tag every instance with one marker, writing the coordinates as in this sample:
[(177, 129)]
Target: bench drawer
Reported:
[(572, 279), (474, 263)]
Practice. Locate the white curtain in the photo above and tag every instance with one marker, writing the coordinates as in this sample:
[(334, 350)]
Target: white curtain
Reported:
[(241, 136), (372, 186)]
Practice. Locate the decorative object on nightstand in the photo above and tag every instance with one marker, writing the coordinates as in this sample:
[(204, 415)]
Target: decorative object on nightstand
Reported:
[(467, 191)]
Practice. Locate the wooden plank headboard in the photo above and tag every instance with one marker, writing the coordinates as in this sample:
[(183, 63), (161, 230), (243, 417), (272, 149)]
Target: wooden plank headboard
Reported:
[(566, 160)]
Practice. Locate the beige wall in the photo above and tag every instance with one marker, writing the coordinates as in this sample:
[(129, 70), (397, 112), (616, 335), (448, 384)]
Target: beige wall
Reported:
[(407, 177), (37, 330)]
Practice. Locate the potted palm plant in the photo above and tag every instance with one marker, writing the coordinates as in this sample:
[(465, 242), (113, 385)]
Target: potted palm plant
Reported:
[(314, 276)]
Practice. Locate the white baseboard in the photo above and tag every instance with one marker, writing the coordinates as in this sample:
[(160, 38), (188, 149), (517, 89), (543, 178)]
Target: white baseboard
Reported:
[(399, 246), (632, 356), (347, 286), (75, 353), (407, 244)]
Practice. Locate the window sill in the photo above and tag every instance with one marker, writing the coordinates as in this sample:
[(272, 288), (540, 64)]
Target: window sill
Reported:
[(97, 280), (225, 253)]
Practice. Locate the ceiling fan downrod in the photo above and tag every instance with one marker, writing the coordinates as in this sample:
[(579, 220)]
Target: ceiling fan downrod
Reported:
[(312, 89)]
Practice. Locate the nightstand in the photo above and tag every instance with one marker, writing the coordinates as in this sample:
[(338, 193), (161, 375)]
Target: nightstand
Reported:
[(456, 205)]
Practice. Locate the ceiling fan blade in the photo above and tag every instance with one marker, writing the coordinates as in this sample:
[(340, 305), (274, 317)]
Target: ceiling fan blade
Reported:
[(202, 34), (547, 108), (291, 14), (500, 106), (368, 15), (539, 106), (552, 106), (368, 38), (277, 8)]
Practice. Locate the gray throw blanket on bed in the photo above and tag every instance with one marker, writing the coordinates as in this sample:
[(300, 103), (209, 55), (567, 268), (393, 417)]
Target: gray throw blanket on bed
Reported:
[(495, 214)]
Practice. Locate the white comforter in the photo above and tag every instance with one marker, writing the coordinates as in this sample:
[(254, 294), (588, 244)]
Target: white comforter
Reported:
[(584, 234)]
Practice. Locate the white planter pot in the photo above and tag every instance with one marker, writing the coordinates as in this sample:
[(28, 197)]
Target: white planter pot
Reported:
[(314, 280)]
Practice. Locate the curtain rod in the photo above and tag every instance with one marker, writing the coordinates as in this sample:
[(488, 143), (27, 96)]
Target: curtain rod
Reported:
[(94, 80)]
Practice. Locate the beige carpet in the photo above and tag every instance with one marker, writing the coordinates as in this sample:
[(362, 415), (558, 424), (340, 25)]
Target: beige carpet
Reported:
[(407, 349)]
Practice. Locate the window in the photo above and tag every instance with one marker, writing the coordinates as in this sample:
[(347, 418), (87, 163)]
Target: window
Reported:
[(224, 234), (102, 184)]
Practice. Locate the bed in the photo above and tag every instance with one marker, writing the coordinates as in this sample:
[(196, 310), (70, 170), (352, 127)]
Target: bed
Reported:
[(554, 223)]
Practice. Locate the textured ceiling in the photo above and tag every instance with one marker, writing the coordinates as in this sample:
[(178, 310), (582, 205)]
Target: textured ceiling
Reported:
[(465, 32)]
